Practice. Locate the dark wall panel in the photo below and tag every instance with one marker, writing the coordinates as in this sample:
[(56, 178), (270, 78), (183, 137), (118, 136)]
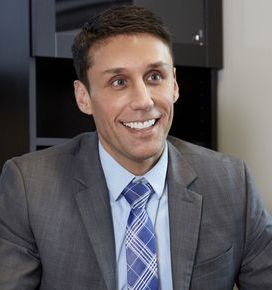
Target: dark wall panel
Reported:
[(14, 64)]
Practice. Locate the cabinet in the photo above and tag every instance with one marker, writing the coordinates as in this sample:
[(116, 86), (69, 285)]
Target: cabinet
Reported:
[(196, 26), (197, 42), (37, 106)]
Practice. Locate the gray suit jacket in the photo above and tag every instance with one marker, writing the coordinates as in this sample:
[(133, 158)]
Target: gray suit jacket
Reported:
[(56, 230)]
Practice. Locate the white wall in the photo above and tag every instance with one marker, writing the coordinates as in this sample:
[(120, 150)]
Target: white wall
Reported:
[(245, 88)]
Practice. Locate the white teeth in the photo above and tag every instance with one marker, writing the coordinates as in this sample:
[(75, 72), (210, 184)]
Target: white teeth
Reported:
[(140, 125)]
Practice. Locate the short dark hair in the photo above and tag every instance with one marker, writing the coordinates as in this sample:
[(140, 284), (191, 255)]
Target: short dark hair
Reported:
[(126, 20)]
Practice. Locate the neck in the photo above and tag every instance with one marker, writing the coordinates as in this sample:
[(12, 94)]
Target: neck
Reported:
[(140, 168), (136, 166)]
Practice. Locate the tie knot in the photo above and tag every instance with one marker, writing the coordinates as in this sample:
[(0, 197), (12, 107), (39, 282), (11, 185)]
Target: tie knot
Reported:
[(137, 192)]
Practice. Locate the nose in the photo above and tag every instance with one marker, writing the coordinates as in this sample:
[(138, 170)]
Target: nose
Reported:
[(142, 98)]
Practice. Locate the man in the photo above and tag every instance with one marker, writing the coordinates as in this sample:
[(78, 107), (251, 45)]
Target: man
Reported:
[(66, 216)]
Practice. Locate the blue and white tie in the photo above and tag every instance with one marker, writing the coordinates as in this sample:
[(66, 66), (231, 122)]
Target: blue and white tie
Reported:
[(141, 249)]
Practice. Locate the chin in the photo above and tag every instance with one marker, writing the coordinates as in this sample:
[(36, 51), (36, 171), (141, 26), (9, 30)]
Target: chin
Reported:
[(148, 153)]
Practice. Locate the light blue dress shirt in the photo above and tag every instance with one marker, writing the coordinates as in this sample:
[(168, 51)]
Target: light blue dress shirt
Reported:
[(117, 178)]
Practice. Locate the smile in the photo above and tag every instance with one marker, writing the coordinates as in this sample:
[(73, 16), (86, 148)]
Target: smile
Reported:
[(140, 125)]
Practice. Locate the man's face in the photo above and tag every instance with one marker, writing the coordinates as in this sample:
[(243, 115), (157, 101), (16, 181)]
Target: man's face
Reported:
[(132, 92)]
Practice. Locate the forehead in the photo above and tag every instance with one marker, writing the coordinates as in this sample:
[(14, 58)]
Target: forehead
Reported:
[(129, 50)]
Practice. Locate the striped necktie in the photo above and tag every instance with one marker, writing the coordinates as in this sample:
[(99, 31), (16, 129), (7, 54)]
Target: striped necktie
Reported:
[(141, 250)]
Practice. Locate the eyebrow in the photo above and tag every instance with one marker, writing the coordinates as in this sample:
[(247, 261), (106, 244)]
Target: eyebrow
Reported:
[(119, 70)]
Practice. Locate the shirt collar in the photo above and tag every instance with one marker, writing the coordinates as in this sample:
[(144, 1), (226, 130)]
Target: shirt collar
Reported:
[(117, 177)]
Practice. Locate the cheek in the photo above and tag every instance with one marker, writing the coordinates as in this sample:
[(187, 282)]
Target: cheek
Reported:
[(166, 92), (104, 112), (166, 101)]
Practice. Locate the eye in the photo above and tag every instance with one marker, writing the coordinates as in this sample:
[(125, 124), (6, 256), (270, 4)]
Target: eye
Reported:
[(119, 83), (154, 77)]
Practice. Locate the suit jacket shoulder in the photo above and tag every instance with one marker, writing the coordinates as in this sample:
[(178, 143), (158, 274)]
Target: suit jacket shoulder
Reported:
[(64, 151), (230, 232), (51, 204), (194, 152)]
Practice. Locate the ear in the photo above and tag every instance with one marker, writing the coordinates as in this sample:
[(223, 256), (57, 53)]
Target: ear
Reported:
[(176, 87), (82, 98)]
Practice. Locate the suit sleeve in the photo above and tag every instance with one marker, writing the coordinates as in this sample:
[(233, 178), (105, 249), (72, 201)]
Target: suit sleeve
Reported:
[(256, 267), (19, 258)]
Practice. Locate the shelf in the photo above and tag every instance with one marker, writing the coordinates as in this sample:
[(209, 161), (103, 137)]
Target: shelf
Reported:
[(64, 41)]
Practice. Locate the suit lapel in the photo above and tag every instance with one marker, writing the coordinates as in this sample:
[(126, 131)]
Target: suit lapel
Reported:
[(184, 214), (94, 206)]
